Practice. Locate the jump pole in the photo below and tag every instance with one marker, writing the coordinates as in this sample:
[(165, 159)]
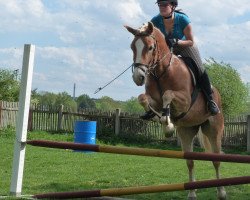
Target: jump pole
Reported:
[(146, 189), (142, 151), (22, 120)]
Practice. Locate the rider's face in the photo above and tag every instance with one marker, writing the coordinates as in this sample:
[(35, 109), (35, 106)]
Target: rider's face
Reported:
[(165, 8)]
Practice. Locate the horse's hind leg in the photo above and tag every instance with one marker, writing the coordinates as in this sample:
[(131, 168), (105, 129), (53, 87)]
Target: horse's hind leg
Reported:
[(213, 131), (186, 136)]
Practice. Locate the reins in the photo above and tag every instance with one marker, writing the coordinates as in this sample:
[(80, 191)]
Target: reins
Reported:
[(152, 69)]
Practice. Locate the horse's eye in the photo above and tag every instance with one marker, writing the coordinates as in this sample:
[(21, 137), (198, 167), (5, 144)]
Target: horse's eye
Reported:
[(151, 48)]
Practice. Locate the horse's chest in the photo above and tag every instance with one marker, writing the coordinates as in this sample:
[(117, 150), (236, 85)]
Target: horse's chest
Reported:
[(154, 91)]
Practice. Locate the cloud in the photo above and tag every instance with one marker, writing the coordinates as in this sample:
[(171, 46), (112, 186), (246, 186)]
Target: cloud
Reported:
[(130, 10), (214, 12), (68, 56), (11, 58)]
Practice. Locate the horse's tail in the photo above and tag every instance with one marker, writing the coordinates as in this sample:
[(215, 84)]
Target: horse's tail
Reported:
[(204, 142)]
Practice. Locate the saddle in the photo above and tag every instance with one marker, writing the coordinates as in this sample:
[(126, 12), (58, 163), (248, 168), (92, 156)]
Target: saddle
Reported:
[(193, 69)]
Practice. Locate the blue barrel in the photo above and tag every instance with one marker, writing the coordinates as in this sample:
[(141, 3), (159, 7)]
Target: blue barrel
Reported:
[(85, 132)]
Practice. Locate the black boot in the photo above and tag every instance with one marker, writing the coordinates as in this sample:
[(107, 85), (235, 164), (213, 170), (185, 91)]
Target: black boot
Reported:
[(147, 115), (206, 88)]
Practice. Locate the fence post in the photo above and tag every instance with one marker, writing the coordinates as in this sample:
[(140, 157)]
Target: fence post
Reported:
[(117, 121), (30, 120), (248, 133), (60, 116)]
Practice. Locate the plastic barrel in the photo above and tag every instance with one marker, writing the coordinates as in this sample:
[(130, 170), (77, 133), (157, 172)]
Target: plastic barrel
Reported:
[(85, 133)]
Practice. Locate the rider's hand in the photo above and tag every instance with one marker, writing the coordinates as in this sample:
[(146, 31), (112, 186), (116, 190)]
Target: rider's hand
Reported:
[(173, 42)]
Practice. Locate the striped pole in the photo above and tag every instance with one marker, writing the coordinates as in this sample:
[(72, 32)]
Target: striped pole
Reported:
[(146, 189), (142, 151)]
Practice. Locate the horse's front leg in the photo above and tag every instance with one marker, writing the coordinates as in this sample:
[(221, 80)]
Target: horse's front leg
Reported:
[(167, 98), (180, 100), (148, 103)]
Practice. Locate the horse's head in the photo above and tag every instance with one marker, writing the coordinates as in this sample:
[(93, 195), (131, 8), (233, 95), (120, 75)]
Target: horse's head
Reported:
[(144, 51)]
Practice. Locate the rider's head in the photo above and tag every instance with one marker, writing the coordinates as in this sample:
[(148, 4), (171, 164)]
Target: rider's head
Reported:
[(167, 7), (173, 2)]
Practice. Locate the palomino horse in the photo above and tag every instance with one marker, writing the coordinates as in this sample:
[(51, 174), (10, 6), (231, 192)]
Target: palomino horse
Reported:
[(168, 85)]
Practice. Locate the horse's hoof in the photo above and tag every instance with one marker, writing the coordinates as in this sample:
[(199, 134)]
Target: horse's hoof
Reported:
[(192, 195), (222, 195), (169, 128), (169, 134)]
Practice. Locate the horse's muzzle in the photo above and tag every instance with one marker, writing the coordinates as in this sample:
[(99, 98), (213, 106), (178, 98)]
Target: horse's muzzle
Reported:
[(139, 74)]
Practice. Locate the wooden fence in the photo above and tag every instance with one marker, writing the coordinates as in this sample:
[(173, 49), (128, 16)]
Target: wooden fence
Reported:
[(8, 113), (236, 133)]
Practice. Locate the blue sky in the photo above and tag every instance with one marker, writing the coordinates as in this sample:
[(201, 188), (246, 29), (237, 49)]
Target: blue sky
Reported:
[(84, 41)]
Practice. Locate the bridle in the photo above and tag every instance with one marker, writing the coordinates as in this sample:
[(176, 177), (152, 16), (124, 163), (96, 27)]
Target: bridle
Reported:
[(151, 67)]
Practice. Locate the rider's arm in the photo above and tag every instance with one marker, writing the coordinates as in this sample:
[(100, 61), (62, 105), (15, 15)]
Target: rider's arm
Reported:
[(189, 41)]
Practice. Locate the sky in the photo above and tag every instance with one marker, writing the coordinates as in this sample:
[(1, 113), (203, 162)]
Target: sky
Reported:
[(84, 42)]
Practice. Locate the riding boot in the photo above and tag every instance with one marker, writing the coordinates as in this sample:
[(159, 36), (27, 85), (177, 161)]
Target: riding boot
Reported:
[(147, 115), (207, 90)]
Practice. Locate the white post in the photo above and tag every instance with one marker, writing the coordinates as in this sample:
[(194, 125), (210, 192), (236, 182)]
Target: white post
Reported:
[(22, 120)]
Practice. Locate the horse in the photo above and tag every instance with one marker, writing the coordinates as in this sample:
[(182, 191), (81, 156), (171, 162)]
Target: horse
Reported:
[(168, 90)]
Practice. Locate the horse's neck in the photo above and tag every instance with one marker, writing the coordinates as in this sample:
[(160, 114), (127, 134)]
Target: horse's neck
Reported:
[(179, 74), (164, 54), (165, 57)]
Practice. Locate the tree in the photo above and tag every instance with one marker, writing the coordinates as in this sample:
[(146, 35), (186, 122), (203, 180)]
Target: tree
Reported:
[(34, 97), (107, 104), (248, 98), (46, 98), (132, 106), (232, 89), (84, 101), (66, 100), (9, 86), (50, 99)]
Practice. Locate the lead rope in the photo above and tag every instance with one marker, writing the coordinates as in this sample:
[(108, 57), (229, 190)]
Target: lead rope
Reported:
[(100, 88)]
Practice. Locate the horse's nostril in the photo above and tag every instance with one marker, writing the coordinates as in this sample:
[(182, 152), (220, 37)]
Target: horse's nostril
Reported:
[(142, 79)]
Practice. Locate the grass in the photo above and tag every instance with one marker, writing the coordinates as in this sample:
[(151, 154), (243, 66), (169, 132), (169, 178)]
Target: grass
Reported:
[(54, 170)]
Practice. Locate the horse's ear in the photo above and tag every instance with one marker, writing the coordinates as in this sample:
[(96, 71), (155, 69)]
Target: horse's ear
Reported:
[(132, 30), (150, 28)]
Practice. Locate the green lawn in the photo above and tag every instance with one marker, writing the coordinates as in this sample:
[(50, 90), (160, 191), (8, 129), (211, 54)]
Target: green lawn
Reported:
[(54, 170)]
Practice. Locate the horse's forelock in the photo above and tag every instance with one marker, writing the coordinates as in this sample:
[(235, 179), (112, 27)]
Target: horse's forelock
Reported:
[(144, 30)]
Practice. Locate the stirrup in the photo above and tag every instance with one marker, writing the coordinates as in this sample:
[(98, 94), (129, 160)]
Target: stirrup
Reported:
[(148, 115), (213, 108)]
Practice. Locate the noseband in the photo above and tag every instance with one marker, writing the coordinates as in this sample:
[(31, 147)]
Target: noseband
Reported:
[(139, 65)]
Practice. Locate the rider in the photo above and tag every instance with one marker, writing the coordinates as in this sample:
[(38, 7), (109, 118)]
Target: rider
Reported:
[(177, 29)]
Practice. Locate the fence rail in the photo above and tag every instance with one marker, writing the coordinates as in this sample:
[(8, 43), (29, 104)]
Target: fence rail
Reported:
[(42, 118)]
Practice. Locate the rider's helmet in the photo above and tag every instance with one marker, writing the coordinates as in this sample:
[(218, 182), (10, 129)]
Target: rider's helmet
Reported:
[(173, 2)]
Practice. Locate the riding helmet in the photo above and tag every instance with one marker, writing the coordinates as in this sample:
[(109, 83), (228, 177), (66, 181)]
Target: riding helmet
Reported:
[(174, 2)]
